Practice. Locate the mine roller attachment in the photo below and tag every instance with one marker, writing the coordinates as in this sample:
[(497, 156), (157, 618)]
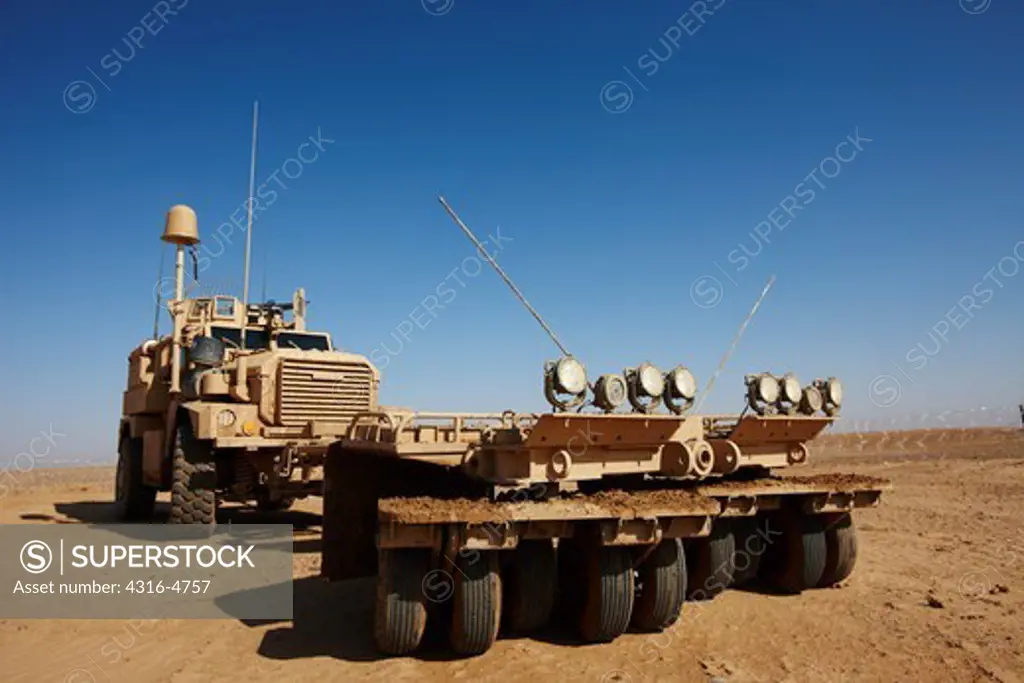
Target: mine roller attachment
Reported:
[(134, 501), (661, 587), (401, 613), (194, 478), (530, 582)]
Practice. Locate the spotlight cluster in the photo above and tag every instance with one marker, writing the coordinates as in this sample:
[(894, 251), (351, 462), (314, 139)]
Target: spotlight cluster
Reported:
[(645, 387), (768, 394)]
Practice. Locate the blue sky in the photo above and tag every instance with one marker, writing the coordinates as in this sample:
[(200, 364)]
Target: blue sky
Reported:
[(625, 150)]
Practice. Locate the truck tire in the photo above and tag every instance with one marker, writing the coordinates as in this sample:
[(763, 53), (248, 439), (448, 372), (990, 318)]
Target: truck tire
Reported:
[(530, 581), (662, 589), (476, 608), (711, 563), (133, 500), (401, 613), (609, 591), (796, 561), (750, 547), (193, 478), (840, 550)]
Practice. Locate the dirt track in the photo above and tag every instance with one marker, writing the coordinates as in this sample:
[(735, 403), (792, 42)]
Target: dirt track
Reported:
[(938, 594)]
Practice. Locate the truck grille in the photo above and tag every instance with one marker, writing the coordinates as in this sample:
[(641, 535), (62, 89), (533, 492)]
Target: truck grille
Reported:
[(322, 390)]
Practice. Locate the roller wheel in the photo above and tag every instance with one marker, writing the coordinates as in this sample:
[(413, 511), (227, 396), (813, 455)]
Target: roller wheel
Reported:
[(796, 561), (662, 589), (609, 589), (710, 563), (840, 550), (476, 608), (530, 581), (751, 545), (134, 500), (194, 478), (401, 613)]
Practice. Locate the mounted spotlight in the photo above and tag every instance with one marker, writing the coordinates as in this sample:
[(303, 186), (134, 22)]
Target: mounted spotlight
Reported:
[(762, 392), (565, 383), (832, 391), (680, 390), (790, 393), (610, 392), (811, 402), (645, 385)]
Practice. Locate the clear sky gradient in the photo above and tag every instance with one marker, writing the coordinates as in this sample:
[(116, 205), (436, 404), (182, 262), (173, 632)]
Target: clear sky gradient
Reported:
[(650, 165)]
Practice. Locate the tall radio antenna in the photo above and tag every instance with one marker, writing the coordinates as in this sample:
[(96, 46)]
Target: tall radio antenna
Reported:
[(506, 278), (735, 341), (248, 230)]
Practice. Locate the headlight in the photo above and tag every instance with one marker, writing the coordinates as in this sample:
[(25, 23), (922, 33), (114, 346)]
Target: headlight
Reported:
[(645, 385), (791, 391), (681, 384), (610, 392), (834, 391), (767, 388), (650, 381), (226, 418), (570, 376), (565, 383), (762, 392), (680, 390), (811, 402)]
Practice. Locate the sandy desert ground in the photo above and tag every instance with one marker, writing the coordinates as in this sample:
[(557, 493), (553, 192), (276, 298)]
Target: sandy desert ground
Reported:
[(938, 594)]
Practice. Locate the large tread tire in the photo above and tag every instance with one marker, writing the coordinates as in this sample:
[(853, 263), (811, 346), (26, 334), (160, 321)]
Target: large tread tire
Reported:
[(610, 589), (476, 607), (750, 535), (400, 616), (840, 550), (193, 478), (134, 501), (530, 582), (797, 561), (710, 563), (662, 587)]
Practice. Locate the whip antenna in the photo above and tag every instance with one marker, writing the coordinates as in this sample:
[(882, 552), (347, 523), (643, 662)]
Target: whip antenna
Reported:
[(735, 341), (506, 278), (248, 231)]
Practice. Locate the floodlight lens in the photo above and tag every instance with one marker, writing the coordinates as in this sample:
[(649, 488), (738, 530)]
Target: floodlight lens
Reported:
[(571, 376), (835, 391), (812, 401), (682, 383), (610, 392), (768, 388), (651, 381), (791, 388)]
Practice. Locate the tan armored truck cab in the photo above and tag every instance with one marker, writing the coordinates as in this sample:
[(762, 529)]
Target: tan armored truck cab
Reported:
[(239, 402)]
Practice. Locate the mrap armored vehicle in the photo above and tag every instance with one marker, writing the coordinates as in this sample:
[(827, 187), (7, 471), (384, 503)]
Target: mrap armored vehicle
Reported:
[(607, 512), (239, 402)]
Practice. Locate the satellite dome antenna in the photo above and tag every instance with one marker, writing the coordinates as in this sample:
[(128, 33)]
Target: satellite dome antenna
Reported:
[(182, 230)]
